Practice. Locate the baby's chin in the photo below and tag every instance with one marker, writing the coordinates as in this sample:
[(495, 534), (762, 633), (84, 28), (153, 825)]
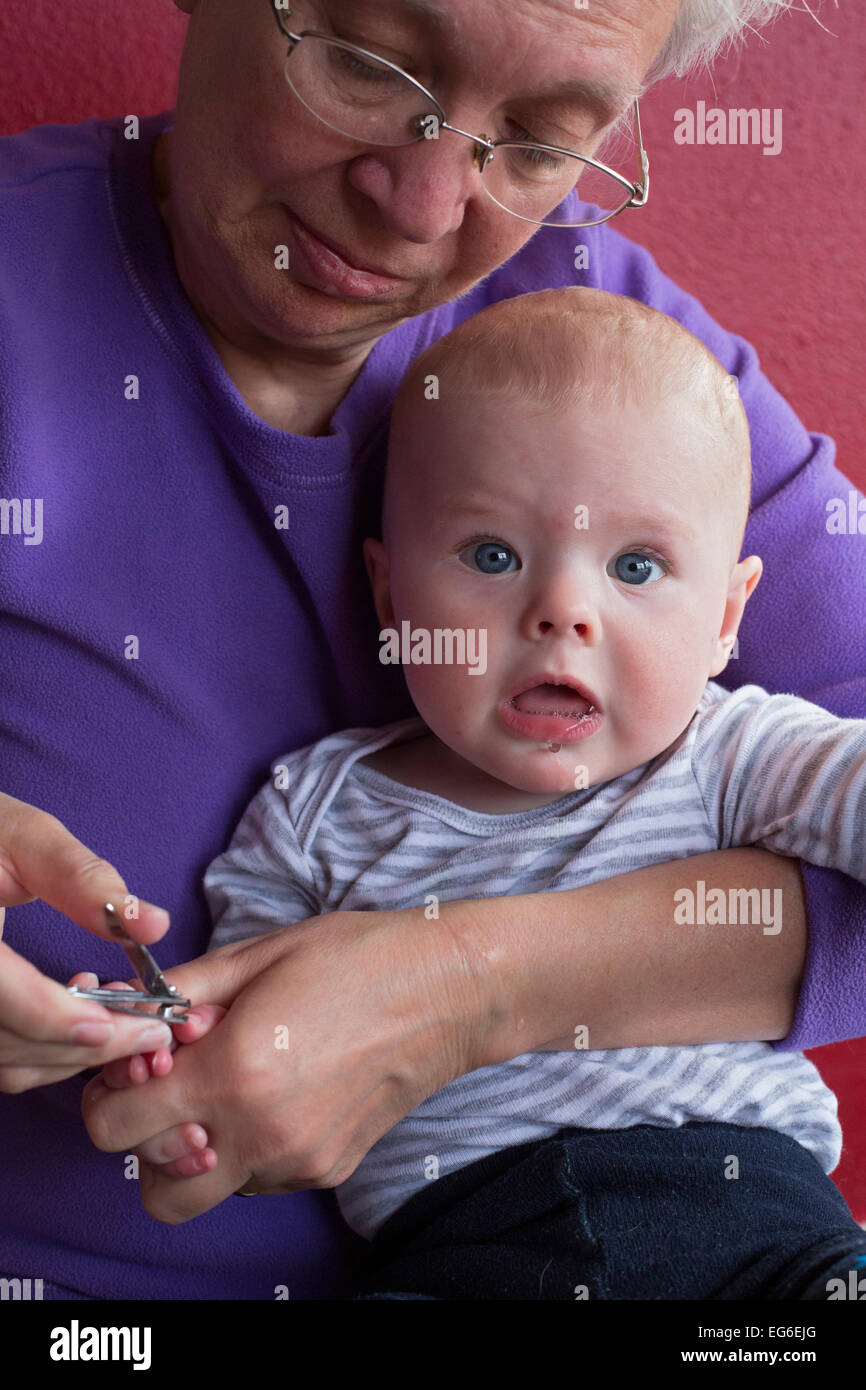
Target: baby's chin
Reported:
[(550, 770)]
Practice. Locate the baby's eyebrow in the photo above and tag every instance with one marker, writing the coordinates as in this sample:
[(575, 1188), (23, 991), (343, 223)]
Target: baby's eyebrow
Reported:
[(450, 507), (670, 523)]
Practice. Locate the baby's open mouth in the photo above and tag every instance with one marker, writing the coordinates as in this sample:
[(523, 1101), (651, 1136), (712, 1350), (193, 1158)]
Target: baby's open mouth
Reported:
[(552, 711), (557, 700)]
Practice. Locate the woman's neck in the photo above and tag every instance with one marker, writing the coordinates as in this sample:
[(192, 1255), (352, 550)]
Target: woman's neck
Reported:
[(298, 397), (293, 391)]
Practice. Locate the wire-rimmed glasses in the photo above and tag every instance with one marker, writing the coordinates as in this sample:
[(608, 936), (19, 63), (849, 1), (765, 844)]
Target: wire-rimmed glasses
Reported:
[(370, 99)]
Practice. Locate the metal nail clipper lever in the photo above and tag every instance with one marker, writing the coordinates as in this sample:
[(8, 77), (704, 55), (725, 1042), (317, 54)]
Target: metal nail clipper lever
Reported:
[(168, 999)]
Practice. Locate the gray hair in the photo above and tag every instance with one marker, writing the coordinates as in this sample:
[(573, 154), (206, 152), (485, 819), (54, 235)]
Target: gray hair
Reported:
[(703, 28)]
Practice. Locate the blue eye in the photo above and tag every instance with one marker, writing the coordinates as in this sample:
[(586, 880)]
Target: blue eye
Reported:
[(491, 557), (636, 568)]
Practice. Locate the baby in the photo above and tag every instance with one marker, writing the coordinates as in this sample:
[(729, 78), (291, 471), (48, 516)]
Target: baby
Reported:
[(566, 498)]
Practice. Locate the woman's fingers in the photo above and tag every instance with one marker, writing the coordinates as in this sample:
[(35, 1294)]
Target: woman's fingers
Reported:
[(44, 1015), (85, 979), (47, 1033), (219, 976), (127, 1071), (39, 858), (45, 1029)]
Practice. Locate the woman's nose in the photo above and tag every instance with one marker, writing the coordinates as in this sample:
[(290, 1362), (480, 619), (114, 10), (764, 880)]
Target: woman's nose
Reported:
[(420, 190)]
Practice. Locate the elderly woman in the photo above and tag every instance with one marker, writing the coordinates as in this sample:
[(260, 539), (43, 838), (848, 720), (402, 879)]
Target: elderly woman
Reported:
[(203, 326)]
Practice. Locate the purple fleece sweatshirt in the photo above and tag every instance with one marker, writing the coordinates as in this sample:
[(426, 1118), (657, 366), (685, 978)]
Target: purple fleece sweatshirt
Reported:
[(157, 524)]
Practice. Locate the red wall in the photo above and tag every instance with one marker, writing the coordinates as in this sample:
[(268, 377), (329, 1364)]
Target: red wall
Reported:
[(772, 245)]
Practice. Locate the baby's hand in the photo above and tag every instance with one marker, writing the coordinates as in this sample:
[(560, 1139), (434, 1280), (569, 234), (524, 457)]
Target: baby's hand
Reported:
[(181, 1152)]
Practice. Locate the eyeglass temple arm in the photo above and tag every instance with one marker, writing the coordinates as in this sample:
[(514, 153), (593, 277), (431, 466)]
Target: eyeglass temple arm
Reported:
[(286, 33), (641, 193)]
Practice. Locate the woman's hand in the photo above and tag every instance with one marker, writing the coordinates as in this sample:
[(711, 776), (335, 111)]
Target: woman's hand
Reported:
[(46, 1034), (336, 1028)]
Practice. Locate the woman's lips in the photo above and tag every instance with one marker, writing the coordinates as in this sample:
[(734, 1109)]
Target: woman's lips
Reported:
[(329, 272)]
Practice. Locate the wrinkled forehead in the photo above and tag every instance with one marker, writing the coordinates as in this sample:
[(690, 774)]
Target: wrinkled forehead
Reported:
[(607, 45)]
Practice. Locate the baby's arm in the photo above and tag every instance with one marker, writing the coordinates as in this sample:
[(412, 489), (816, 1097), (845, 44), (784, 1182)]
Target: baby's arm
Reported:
[(779, 772)]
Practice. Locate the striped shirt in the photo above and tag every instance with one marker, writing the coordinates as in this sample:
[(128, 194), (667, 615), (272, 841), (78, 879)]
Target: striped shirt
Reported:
[(751, 768)]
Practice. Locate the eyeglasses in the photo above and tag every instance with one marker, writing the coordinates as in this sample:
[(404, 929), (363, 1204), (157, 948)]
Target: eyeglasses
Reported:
[(369, 99)]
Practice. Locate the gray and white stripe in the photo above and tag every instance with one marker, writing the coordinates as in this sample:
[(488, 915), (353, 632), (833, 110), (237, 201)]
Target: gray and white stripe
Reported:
[(750, 769)]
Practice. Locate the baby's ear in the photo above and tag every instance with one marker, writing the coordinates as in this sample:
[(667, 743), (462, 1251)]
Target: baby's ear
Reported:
[(752, 569), (744, 577), (379, 574)]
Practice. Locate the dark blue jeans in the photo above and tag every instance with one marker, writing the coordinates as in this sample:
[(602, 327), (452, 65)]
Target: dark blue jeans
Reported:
[(641, 1213)]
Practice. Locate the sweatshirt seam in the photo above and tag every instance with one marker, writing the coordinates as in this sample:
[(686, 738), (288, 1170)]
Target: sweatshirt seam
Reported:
[(253, 460), (26, 182)]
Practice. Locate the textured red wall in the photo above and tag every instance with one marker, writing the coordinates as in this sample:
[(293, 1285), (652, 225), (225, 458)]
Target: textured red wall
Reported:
[(90, 58), (772, 245)]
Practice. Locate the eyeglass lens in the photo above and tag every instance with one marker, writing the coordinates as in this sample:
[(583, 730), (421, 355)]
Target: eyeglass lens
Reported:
[(368, 101)]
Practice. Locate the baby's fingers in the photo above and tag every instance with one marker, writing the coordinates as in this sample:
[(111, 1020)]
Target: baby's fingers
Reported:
[(202, 1018), (191, 1166), (183, 1142), (133, 1071)]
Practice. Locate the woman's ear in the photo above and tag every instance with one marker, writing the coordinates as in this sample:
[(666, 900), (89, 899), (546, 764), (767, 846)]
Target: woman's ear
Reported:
[(744, 577), (378, 571)]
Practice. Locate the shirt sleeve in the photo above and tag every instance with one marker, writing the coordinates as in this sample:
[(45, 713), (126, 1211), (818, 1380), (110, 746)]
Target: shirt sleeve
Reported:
[(779, 772), (804, 628), (263, 880)]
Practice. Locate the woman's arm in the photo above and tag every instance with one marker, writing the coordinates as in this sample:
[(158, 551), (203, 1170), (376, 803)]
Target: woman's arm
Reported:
[(381, 1009), (609, 957)]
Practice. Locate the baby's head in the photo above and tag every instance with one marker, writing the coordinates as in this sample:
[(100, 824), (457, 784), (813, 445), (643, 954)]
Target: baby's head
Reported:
[(567, 490)]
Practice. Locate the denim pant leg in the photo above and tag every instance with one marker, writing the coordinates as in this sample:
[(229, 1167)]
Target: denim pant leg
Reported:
[(705, 1211)]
